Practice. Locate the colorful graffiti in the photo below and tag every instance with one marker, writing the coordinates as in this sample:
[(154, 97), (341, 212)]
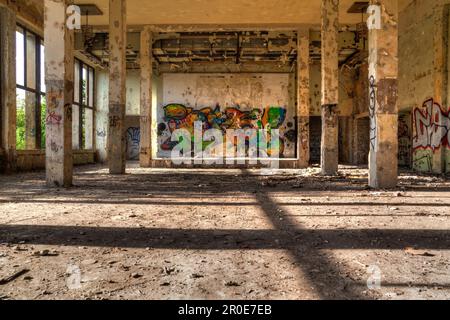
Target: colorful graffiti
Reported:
[(432, 127), (178, 116), (133, 142)]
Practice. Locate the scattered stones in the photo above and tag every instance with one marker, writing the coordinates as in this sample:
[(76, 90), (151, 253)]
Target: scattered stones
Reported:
[(89, 262), (169, 270), (416, 252), (46, 253), (19, 248), (232, 284), (14, 276)]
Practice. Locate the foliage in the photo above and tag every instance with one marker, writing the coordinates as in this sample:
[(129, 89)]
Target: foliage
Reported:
[(21, 123)]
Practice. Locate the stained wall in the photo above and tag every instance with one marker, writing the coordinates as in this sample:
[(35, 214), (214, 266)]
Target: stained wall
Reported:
[(423, 85)]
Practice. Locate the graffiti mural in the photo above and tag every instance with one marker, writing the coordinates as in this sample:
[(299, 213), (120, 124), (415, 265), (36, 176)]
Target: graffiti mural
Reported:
[(133, 142), (432, 127), (178, 116)]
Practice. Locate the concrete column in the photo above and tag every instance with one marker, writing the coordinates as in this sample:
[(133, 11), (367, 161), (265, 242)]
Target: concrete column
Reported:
[(8, 87), (145, 156), (330, 86), (59, 73), (303, 98), (383, 109), (117, 86)]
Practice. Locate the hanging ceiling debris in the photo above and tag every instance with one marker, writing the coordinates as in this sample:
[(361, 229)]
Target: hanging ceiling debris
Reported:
[(183, 48)]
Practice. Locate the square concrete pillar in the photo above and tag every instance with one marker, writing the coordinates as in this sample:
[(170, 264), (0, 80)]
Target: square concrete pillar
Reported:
[(383, 88), (8, 87), (146, 59), (303, 98), (117, 86), (330, 87), (59, 73)]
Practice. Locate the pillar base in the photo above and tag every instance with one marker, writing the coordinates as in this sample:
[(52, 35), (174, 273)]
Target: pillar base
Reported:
[(330, 147)]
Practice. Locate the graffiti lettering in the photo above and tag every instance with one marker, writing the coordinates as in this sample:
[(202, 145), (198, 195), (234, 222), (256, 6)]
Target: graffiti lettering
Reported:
[(101, 133), (372, 110), (53, 118), (133, 142), (257, 147), (178, 116), (54, 147), (114, 121), (432, 127)]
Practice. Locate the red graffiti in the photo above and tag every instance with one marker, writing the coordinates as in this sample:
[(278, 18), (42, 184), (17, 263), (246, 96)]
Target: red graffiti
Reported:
[(53, 118), (432, 127)]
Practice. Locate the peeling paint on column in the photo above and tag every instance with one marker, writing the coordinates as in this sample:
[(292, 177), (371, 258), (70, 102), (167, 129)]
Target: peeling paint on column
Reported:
[(145, 157), (117, 87), (303, 98), (330, 86), (383, 109), (8, 83), (59, 73)]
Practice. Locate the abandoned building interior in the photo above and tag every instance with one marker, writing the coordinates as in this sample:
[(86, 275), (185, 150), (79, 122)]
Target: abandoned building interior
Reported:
[(273, 73), (90, 102)]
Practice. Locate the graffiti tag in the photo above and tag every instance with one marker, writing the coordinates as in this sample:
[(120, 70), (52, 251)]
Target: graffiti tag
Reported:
[(432, 127)]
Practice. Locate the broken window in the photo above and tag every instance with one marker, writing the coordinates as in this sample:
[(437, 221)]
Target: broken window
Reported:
[(83, 107), (30, 90)]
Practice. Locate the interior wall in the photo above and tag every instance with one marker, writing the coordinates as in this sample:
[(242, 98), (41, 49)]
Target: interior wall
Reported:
[(227, 101), (132, 130), (426, 116)]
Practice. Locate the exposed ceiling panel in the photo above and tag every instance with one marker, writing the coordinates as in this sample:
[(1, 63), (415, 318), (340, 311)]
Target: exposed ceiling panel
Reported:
[(226, 47), (90, 10), (359, 7)]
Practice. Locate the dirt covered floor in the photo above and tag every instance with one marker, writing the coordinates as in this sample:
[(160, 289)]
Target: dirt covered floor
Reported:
[(223, 234)]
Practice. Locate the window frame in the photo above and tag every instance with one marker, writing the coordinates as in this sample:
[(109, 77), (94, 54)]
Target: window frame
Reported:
[(83, 104), (39, 95)]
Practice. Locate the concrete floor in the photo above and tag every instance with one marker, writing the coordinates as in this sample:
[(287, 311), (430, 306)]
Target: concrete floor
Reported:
[(223, 234)]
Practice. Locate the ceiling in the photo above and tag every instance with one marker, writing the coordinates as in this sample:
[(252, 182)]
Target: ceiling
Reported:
[(224, 12)]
